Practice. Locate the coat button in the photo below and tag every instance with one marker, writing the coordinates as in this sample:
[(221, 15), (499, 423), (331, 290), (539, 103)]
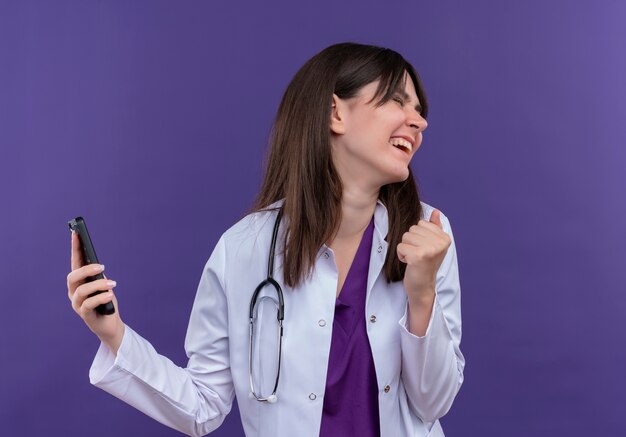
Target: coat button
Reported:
[(380, 249), (312, 396), (373, 318), (322, 323), (387, 388)]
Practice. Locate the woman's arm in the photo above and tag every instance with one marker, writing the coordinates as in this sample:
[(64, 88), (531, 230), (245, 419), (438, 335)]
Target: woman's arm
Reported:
[(196, 399), (432, 364)]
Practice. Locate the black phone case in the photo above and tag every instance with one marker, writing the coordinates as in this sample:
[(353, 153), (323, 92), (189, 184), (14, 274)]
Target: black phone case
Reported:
[(89, 257)]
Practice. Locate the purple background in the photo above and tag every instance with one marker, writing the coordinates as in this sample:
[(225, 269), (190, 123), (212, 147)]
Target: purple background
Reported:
[(151, 119)]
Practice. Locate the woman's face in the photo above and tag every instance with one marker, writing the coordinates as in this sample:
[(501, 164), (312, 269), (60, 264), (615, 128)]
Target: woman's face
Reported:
[(367, 141)]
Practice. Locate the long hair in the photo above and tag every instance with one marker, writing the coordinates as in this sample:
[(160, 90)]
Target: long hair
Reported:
[(300, 169)]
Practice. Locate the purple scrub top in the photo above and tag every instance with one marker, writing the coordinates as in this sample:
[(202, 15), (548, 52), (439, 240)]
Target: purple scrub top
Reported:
[(351, 397)]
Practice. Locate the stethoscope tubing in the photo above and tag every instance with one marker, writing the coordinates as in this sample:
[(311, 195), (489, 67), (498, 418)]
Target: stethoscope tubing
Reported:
[(280, 315)]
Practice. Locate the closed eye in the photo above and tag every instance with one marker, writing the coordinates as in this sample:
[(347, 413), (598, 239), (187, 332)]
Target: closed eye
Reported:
[(399, 100)]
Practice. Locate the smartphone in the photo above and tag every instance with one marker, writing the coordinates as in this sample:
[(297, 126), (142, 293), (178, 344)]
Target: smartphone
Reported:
[(89, 257)]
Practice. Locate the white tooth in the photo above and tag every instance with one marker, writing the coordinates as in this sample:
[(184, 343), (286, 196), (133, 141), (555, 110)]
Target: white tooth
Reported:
[(402, 143)]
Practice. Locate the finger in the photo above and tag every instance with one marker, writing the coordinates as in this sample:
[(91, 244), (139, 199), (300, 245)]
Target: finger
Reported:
[(88, 305), (77, 277), (427, 230), (400, 249), (410, 254), (77, 256), (435, 217), (84, 290), (417, 238), (424, 239), (433, 227), (422, 231)]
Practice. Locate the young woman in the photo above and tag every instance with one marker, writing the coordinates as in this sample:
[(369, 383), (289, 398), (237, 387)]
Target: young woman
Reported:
[(367, 275)]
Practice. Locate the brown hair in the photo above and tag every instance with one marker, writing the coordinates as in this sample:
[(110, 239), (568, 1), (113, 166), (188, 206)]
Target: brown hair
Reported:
[(300, 168)]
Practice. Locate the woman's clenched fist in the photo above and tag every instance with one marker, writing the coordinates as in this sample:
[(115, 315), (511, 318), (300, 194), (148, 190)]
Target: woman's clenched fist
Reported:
[(423, 248)]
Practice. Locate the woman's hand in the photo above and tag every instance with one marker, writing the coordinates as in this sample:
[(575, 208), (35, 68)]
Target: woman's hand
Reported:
[(109, 328), (423, 248)]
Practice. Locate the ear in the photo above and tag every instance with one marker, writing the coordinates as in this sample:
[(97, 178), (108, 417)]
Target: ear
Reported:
[(337, 119)]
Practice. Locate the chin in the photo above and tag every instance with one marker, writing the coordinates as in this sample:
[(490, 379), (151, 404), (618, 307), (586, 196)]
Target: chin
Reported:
[(402, 175), (397, 178)]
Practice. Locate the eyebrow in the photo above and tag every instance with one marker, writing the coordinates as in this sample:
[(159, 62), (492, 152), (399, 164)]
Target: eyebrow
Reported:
[(405, 96)]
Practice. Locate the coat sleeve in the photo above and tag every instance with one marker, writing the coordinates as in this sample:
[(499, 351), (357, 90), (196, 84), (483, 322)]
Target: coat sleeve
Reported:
[(196, 399), (432, 365)]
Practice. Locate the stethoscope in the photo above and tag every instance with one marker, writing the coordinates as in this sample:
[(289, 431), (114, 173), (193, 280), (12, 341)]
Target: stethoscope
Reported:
[(280, 315)]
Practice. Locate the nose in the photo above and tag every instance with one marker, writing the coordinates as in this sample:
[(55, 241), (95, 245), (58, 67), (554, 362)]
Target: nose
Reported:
[(415, 120)]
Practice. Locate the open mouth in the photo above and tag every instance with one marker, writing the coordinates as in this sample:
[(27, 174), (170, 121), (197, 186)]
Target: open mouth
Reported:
[(402, 144)]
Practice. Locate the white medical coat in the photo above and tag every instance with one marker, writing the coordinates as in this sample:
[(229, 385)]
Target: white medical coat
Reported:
[(418, 377)]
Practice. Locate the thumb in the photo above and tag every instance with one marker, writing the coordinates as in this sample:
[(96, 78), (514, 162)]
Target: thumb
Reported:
[(435, 217)]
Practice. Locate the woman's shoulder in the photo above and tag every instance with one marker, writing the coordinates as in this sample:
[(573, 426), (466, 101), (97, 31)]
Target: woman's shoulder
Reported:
[(253, 224)]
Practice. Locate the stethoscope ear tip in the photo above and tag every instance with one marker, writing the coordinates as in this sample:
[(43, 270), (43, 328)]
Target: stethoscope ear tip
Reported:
[(272, 399)]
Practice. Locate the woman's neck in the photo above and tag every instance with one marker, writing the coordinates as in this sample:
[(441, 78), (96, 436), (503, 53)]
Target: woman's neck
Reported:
[(357, 208)]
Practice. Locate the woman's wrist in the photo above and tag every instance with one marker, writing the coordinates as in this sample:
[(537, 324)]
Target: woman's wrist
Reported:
[(423, 299), (113, 342), (419, 311)]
